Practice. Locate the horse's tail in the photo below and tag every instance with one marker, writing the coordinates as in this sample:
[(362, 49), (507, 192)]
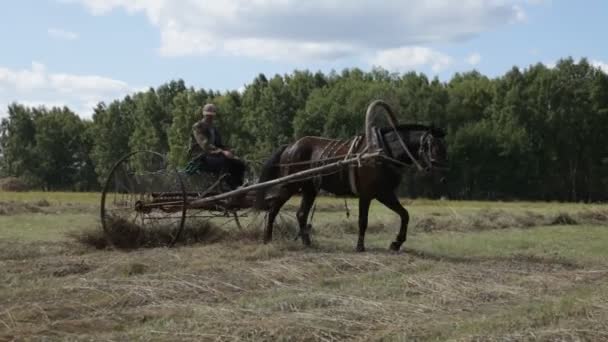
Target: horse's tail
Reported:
[(270, 171)]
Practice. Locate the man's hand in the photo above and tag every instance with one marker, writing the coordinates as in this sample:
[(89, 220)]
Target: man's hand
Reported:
[(227, 154)]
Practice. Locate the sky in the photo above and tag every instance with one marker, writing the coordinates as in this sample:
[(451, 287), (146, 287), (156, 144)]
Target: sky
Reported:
[(80, 52)]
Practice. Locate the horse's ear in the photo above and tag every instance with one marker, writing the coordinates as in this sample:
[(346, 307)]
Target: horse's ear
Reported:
[(437, 132)]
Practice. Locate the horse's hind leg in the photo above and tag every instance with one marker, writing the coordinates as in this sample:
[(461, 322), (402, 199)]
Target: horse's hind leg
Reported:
[(309, 194), (277, 204), (364, 203), (390, 200)]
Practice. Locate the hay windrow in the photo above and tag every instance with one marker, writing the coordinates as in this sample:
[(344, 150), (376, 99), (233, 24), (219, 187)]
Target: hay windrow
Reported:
[(492, 219), (563, 219), (126, 235), (16, 208), (123, 234), (594, 215)]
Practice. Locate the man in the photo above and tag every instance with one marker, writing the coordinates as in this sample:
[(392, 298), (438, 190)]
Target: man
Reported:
[(206, 145)]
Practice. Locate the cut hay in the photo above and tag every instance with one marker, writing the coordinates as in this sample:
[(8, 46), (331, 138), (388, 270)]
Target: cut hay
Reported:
[(430, 224), (16, 208), (123, 234), (597, 216), (13, 184), (321, 207), (126, 235), (563, 219), (491, 219), (486, 219), (285, 228), (352, 226)]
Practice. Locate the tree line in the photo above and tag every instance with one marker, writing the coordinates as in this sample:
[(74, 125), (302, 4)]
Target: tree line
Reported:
[(535, 134)]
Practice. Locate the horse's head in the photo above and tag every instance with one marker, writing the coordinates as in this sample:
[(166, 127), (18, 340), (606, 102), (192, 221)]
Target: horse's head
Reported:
[(432, 150), (426, 146)]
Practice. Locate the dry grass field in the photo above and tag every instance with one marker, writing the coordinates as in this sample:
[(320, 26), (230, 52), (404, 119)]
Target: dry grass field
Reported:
[(470, 271)]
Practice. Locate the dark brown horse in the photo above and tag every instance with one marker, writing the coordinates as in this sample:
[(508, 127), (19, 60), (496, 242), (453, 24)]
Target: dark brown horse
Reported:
[(370, 180)]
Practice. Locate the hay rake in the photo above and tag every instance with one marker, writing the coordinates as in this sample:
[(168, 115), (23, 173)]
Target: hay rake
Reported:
[(143, 190)]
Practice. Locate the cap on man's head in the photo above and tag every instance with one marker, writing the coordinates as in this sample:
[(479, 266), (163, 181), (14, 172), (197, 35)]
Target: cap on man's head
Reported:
[(209, 109)]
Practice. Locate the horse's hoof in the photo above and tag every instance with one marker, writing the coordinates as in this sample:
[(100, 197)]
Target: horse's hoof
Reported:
[(360, 249), (395, 246), (306, 240)]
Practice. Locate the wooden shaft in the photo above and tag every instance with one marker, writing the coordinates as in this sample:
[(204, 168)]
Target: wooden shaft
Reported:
[(296, 176), (159, 195)]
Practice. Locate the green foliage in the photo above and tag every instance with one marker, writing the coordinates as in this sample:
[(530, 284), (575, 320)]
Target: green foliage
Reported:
[(534, 133), (18, 142), (186, 111), (112, 128), (267, 114), (151, 123), (230, 123), (60, 148), (47, 148)]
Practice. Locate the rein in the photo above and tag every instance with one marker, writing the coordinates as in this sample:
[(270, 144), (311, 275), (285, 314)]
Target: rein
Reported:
[(407, 150), (392, 119)]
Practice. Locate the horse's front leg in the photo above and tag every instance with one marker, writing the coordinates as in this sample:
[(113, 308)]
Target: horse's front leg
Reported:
[(308, 198), (275, 207), (390, 200), (363, 213)]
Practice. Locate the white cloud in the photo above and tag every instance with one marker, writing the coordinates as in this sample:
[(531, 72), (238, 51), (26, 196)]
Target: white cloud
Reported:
[(520, 14), (540, 2), (47, 104), (23, 80), (66, 83), (313, 29), (599, 64), (408, 58), (474, 58), (62, 34), (37, 86), (277, 50)]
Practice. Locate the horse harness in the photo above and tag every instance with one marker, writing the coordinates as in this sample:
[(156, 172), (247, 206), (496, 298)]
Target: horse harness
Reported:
[(330, 154), (357, 146)]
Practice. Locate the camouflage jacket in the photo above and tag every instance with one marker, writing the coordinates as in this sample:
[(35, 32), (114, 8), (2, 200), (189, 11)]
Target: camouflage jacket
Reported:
[(204, 139)]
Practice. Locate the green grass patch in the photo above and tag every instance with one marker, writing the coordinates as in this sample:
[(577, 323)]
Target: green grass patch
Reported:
[(43, 227), (586, 244), (54, 198)]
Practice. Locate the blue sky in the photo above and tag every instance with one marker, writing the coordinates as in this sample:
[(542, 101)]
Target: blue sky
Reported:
[(79, 52)]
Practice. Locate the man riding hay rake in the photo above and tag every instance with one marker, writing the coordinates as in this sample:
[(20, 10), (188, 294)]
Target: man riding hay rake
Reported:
[(210, 154), (368, 167)]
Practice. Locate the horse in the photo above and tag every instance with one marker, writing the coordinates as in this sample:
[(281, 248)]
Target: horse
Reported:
[(376, 180)]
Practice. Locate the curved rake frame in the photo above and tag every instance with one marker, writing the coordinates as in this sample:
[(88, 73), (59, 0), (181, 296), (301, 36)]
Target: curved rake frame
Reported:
[(143, 195)]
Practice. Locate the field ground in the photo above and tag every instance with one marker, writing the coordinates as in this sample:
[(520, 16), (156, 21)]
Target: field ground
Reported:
[(469, 271)]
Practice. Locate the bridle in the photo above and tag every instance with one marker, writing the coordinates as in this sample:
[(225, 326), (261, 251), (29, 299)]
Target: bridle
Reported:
[(424, 150), (425, 160), (426, 140), (425, 153)]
